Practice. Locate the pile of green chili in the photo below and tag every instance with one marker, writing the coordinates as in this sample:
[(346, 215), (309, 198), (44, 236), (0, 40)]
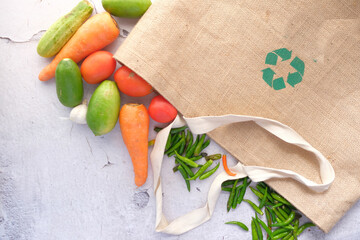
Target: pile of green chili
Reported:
[(282, 218), (187, 151)]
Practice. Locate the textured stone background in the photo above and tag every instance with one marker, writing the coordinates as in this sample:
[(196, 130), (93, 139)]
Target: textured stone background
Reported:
[(59, 181)]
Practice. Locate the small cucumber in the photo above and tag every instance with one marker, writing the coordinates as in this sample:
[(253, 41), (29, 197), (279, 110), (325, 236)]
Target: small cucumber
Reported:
[(69, 85), (126, 8), (104, 107), (63, 29)]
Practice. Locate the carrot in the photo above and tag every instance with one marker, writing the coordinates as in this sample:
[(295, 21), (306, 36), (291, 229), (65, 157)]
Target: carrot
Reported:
[(227, 170), (134, 126), (96, 33)]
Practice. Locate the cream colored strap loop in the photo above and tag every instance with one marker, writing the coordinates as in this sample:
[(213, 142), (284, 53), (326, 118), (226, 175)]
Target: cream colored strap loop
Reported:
[(206, 124)]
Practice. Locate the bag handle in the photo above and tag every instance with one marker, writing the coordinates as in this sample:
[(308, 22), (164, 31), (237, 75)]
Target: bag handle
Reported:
[(200, 125)]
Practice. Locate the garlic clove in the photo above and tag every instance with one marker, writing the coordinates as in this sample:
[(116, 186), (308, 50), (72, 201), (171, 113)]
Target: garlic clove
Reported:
[(78, 114)]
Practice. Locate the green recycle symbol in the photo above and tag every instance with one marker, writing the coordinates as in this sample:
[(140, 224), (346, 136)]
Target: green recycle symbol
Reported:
[(292, 78)]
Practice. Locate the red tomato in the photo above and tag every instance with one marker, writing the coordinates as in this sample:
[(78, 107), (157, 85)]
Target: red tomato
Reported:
[(130, 83), (97, 67), (161, 110)]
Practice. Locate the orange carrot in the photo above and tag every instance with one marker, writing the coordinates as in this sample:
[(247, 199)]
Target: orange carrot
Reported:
[(227, 170), (96, 33), (134, 125)]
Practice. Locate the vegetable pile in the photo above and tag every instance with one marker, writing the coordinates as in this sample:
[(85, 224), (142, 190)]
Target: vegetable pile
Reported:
[(187, 151), (73, 38), (282, 218)]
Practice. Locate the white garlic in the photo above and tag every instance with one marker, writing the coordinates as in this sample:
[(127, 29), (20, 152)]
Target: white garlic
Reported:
[(78, 113)]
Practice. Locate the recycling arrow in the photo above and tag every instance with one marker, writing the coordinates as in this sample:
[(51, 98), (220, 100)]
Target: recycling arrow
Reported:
[(299, 65), (272, 57), (292, 78), (283, 53), (268, 75)]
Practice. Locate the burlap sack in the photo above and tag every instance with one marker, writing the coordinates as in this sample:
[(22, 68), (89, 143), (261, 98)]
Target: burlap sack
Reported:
[(297, 62)]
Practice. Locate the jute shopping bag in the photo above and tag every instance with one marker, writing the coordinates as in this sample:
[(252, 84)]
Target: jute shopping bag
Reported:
[(297, 63)]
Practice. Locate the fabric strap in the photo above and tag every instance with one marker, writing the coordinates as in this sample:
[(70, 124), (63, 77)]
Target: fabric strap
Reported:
[(200, 125)]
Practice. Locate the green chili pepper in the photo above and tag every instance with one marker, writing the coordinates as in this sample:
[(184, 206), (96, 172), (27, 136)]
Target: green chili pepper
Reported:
[(263, 201), (257, 193), (268, 218), (292, 237), (296, 227), (185, 176), (253, 205), (288, 236), (280, 198), (281, 235), (174, 147), (303, 227), (175, 169), (189, 153), (168, 143), (157, 129), (183, 135), (253, 230), (285, 222), (262, 190), (199, 145), (262, 184), (174, 139), (227, 189), (182, 146), (186, 168), (272, 214), (186, 160), (209, 173), (213, 157), (286, 209), (177, 138), (227, 183), (207, 143), (277, 205), (237, 195), (177, 130), (189, 137), (258, 229), (243, 190), (279, 215), (201, 170), (278, 220), (283, 213), (196, 158), (240, 224), (280, 231), (232, 195), (266, 228), (188, 141), (290, 227)]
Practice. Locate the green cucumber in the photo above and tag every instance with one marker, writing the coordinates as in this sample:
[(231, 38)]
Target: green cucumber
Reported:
[(69, 85), (126, 8), (63, 29), (104, 107)]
